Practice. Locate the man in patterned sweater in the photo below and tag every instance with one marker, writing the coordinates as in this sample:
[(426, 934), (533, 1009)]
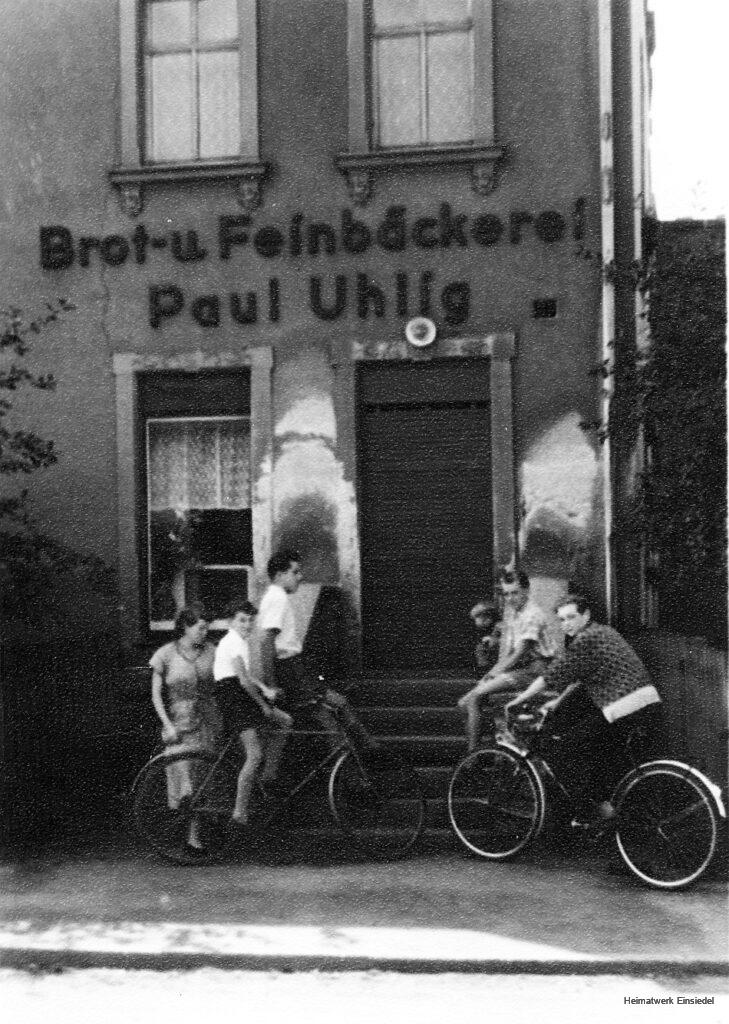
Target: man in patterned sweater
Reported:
[(617, 682)]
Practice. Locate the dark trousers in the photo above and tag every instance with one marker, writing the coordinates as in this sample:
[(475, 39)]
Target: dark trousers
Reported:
[(300, 687), (592, 755)]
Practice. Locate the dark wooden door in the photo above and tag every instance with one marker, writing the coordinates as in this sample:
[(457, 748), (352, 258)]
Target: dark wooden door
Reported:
[(425, 510)]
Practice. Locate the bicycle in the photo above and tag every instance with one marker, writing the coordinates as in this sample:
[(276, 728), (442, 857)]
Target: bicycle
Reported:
[(668, 814), (375, 797)]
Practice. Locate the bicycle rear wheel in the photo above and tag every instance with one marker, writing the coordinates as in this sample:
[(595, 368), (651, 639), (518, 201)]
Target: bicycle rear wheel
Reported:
[(667, 825), (172, 792), (377, 800), (496, 803)]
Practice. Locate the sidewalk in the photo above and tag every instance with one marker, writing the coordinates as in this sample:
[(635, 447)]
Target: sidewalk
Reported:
[(545, 913)]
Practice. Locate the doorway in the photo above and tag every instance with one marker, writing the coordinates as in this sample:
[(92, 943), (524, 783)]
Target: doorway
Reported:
[(426, 537)]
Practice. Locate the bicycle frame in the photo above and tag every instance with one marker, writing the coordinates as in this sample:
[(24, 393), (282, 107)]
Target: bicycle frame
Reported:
[(344, 746)]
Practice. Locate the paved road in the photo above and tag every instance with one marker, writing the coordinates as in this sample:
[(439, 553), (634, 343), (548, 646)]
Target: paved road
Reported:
[(117, 997), (432, 912)]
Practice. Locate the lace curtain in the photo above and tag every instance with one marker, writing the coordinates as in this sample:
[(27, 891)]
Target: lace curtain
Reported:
[(200, 464)]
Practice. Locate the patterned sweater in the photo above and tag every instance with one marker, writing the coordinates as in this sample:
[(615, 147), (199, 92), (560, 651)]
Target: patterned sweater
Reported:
[(603, 662)]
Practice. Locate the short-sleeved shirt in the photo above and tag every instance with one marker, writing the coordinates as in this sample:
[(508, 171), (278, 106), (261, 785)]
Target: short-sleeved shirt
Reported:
[(530, 623), (231, 646), (185, 679), (275, 612), (608, 667)]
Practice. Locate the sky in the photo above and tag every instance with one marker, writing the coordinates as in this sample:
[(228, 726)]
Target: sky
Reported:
[(689, 124)]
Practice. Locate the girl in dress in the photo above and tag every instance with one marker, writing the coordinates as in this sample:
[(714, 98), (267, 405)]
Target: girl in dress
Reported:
[(182, 695)]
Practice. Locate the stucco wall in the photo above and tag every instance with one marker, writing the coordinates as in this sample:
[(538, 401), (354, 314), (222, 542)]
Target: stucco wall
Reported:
[(59, 74)]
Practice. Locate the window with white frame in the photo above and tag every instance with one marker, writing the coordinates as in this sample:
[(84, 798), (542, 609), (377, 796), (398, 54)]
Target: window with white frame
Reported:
[(421, 91), (422, 72), (198, 513), (197, 517), (191, 79)]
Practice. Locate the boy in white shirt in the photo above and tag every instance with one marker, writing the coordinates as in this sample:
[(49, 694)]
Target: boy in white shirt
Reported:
[(245, 704), (282, 662)]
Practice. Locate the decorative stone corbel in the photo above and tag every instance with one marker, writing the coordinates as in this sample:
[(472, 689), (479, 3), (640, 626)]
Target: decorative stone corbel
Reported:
[(131, 198), (359, 185), (483, 177), (248, 193)]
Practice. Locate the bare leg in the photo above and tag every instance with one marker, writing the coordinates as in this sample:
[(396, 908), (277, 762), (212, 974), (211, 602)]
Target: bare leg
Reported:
[(471, 703), (276, 738), (254, 756)]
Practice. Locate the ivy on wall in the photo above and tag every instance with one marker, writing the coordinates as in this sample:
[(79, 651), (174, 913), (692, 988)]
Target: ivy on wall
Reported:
[(31, 561), (682, 506)]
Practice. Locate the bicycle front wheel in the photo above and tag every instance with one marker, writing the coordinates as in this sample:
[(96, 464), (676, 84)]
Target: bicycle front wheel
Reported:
[(377, 800), (180, 796), (667, 825), (496, 803)]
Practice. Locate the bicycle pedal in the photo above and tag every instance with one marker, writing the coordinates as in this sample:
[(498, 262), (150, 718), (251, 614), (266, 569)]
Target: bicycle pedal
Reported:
[(581, 826)]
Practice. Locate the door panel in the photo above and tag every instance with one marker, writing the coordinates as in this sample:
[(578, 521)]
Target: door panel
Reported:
[(425, 512)]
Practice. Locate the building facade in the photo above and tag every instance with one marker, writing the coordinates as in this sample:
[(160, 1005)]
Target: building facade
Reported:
[(340, 277)]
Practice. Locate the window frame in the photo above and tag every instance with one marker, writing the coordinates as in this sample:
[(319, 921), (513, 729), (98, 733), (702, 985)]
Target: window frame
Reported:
[(423, 31), (363, 159), (146, 421), (130, 370), (135, 170)]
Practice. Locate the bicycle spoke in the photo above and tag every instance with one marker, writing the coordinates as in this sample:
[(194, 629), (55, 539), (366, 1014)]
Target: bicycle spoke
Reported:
[(166, 818), (495, 803), (666, 827), (378, 803)]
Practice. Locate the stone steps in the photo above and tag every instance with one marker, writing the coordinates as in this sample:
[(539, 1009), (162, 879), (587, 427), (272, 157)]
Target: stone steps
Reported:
[(416, 718)]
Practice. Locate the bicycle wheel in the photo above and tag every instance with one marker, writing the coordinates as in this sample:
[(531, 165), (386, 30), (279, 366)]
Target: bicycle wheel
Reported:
[(378, 802), (176, 791), (496, 803), (667, 825)]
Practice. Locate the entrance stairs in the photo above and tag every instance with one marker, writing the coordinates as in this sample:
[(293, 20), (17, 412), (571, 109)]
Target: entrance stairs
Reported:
[(417, 717)]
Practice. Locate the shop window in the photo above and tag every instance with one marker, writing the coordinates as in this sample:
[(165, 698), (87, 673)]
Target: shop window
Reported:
[(197, 528), (420, 89), (189, 95)]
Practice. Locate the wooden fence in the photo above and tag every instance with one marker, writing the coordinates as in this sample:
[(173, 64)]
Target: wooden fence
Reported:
[(692, 677)]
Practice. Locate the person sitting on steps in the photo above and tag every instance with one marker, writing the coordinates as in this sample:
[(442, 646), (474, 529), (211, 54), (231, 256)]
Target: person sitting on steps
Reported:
[(526, 651), (485, 617)]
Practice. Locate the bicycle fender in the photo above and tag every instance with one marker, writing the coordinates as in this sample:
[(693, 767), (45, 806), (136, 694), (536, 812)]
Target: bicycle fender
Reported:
[(153, 760), (513, 746), (713, 790)]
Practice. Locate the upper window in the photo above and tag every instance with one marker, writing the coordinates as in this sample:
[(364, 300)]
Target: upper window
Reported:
[(421, 90), (422, 54), (189, 95), (191, 79)]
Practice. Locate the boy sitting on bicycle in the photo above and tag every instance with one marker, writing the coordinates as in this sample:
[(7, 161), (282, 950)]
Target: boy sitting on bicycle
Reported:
[(283, 665), (618, 684), (246, 706)]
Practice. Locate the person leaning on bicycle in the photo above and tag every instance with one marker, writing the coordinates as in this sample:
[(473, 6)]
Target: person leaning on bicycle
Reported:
[(283, 666), (596, 754)]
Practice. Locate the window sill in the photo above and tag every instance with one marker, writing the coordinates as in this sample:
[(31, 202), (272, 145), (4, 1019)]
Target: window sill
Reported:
[(360, 168), (246, 175)]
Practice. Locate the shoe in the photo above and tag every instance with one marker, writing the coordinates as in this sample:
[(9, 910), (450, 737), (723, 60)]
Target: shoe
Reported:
[(239, 831), (273, 789), (594, 830), (196, 853)]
